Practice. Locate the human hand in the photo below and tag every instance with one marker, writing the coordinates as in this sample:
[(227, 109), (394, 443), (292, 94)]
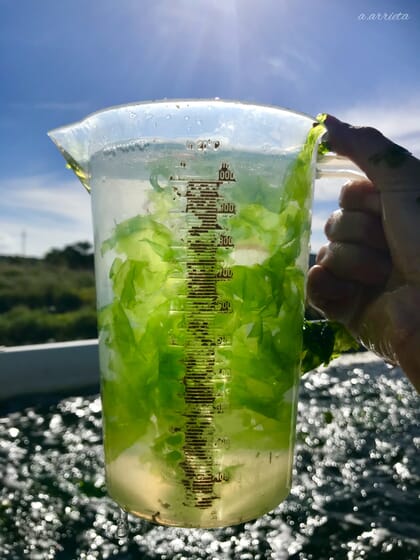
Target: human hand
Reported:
[(368, 275)]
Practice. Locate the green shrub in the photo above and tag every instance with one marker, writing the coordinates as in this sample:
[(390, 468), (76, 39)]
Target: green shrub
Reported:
[(22, 325), (41, 301)]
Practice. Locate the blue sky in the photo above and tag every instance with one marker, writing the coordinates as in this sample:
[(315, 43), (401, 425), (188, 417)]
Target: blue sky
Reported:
[(60, 61)]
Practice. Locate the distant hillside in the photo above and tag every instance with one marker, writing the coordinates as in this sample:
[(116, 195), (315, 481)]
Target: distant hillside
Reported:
[(51, 299)]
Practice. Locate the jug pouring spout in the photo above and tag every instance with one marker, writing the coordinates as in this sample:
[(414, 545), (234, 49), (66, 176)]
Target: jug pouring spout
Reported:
[(72, 141)]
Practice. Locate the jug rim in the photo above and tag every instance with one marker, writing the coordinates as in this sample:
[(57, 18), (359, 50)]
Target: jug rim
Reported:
[(74, 140), (192, 100)]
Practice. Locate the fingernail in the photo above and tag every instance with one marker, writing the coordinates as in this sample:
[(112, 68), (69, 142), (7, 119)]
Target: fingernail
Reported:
[(339, 134), (331, 121)]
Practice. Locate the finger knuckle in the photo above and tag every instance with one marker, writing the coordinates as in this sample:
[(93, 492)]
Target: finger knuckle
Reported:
[(370, 132)]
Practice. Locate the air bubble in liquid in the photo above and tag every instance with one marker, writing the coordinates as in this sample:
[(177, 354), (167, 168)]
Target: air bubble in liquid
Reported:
[(122, 525)]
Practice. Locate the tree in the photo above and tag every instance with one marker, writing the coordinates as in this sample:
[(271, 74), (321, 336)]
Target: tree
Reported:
[(78, 255)]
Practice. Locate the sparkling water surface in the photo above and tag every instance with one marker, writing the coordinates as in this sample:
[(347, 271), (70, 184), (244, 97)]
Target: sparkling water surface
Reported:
[(356, 491)]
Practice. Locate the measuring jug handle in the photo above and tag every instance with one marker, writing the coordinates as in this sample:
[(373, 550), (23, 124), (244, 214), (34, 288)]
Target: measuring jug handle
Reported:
[(331, 165), (323, 339)]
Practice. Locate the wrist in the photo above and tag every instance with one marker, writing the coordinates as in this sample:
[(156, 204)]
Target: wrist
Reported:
[(390, 327)]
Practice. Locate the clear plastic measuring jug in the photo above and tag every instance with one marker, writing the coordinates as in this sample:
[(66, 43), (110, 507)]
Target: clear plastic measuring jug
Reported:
[(201, 213)]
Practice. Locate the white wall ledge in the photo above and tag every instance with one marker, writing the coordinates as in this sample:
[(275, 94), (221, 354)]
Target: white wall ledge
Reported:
[(48, 368), (63, 367)]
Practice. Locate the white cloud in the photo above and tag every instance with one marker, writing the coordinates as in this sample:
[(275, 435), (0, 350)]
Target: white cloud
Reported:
[(399, 119), (7, 242), (317, 231), (41, 212), (289, 65), (328, 189), (277, 65)]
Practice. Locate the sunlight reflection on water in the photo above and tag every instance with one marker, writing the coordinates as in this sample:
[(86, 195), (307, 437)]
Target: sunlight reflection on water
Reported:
[(355, 492)]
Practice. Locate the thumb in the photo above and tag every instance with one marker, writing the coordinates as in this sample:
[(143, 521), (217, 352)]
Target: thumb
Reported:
[(389, 166)]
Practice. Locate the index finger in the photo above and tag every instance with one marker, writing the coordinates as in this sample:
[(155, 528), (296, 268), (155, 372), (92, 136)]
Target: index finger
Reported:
[(360, 194)]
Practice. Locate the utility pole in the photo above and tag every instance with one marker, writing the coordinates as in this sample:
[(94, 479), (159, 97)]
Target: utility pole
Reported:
[(23, 240)]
